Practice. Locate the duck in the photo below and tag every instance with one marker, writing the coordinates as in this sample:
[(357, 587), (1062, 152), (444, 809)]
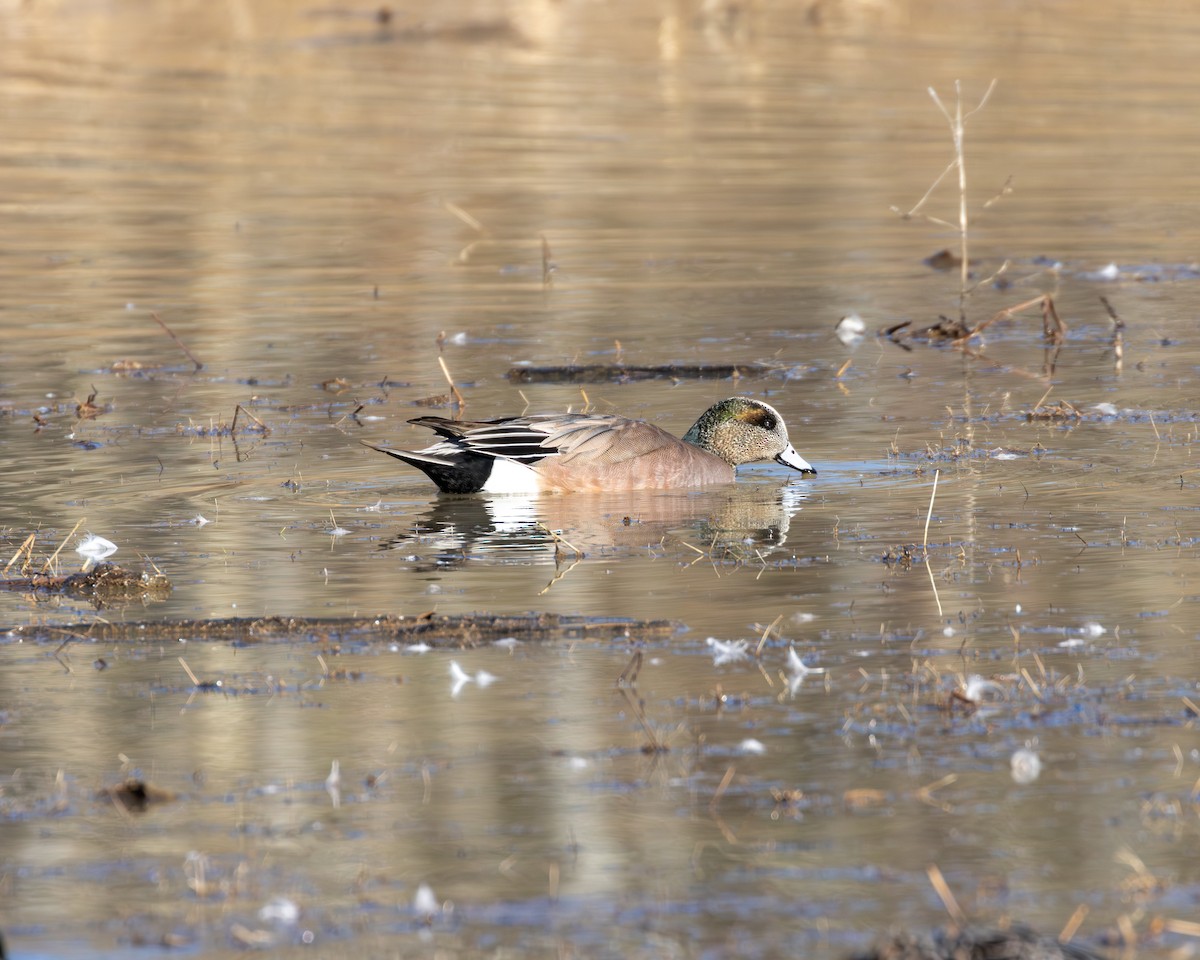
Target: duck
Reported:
[(597, 452)]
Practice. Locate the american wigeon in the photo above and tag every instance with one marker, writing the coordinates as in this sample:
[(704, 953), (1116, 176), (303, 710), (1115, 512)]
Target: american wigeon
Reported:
[(594, 451)]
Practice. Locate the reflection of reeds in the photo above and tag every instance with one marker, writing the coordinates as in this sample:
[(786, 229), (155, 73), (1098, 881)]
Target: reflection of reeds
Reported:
[(627, 684), (1118, 338)]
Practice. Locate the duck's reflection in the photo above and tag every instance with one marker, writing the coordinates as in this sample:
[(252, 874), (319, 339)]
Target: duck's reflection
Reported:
[(735, 522)]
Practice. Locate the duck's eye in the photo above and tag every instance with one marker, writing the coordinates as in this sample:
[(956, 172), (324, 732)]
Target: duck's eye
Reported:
[(767, 422)]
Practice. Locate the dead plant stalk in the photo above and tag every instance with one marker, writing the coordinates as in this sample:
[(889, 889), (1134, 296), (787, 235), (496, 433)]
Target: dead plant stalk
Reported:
[(958, 124)]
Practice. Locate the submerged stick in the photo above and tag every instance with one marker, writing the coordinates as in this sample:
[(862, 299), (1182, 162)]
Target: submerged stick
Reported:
[(179, 343)]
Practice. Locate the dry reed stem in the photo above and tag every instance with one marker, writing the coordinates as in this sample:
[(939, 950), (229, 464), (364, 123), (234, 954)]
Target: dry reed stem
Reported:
[(188, 670), (547, 263), (722, 787), (54, 556), (946, 895), (179, 343), (559, 539), (1074, 922), (465, 217), (239, 409), (958, 131), (458, 397), (26, 550), (957, 121), (929, 514), (1187, 928), (766, 633), (925, 793), (1053, 328)]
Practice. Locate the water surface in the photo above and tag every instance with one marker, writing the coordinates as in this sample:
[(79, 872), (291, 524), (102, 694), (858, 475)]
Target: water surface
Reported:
[(308, 198)]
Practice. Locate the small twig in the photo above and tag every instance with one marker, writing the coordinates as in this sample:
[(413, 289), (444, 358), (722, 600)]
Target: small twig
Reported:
[(188, 670), (722, 787), (925, 793), (26, 550), (54, 556), (929, 513), (240, 409), (1004, 190), (547, 263), (560, 540), (957, 121), (656, 745), (946, 894), (766, 633), (1073, 923), (1118, 339), (458, 397), (179, 343), (628, 676), (465, 217)]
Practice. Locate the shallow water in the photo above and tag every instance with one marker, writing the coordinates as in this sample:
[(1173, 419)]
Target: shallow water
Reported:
[(308, 198)]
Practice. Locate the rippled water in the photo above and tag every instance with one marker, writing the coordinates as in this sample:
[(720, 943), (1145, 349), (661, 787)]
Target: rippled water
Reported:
[(308, 198)]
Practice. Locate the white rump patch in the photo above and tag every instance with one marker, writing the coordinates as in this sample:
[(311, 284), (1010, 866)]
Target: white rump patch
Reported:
[(508, 476)]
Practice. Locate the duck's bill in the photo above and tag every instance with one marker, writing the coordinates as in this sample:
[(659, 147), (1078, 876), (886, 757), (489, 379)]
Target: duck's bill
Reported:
[(790, 458)]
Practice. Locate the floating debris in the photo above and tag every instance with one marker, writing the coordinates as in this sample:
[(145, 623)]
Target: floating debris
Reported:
[(1014, 943), (136, 795), (850, 329), (460, 631), (460, 678), (1105, 274), (425, 903), (622, 372), (797, 671), (976, 689), (104, 584), (943, 260), (1026, 765), (333, 784), (95, 548), (281, 911), (727, 651), (1061, 412)]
